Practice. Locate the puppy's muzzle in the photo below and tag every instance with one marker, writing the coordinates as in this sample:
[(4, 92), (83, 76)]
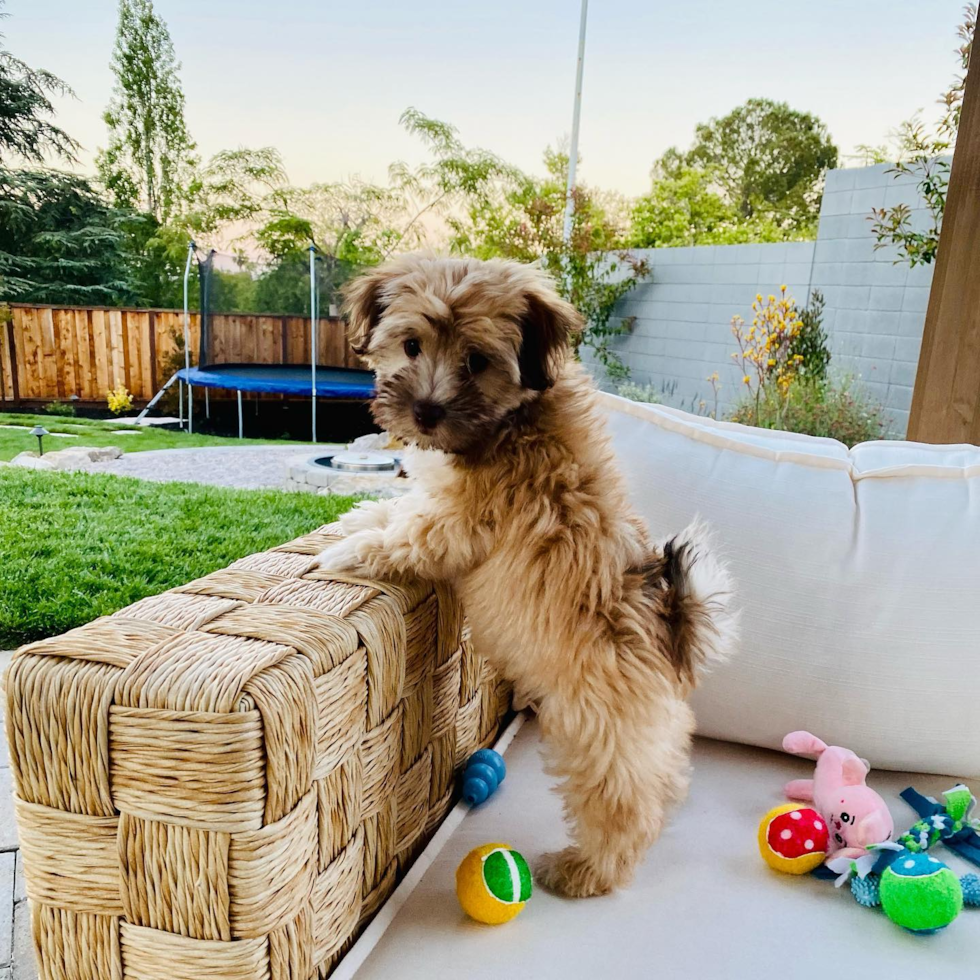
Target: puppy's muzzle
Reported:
[(428, 415)]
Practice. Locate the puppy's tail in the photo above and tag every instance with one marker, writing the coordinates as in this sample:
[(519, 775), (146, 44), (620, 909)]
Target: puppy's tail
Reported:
[(699, 603)]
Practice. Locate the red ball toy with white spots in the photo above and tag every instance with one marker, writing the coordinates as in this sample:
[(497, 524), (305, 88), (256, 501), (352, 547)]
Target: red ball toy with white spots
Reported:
[(793, 838)]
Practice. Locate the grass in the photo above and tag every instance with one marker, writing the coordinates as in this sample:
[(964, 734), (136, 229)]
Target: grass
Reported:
[(77, 545), (89, 432)]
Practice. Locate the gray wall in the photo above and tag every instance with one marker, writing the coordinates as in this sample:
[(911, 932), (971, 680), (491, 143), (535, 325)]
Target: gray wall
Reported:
[(874, 315)]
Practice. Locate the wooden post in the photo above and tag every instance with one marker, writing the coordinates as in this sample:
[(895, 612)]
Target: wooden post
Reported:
[(946, 400)]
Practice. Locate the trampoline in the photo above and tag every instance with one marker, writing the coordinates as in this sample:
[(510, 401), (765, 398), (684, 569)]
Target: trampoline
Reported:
[(337, 383), (282, 379)]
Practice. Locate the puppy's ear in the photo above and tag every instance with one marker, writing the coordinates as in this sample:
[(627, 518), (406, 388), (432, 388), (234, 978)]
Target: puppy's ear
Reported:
[(363, 307), (545, 330)]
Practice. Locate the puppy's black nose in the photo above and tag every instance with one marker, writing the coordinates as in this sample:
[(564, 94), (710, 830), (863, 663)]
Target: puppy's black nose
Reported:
[(428, 414)]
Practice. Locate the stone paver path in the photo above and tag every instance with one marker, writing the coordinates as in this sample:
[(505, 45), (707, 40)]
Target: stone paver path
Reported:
[(251, 467)]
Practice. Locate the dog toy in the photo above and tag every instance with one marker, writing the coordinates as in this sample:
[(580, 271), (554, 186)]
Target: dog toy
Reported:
[(793, 838), (483, 773), (493, 884), (856, 815), (914, 889), (920, 893)]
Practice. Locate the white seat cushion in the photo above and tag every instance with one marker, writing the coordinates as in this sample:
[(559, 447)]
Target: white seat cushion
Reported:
[(858, 575), (703, 905)]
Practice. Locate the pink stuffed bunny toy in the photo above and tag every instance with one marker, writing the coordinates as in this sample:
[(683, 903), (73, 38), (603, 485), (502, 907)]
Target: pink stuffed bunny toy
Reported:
[(856, 815)]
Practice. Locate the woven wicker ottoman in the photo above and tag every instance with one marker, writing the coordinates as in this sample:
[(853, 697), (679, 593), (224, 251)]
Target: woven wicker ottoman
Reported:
[(225, 781)]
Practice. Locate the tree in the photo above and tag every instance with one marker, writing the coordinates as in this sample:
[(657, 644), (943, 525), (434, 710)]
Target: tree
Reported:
[(60, 242), (684, 207), (490, 208), (149, 160), (766, 160), (923, 155), (26, 130)]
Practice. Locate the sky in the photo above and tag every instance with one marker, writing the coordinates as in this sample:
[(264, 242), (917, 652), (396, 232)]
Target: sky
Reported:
[(326, 82)]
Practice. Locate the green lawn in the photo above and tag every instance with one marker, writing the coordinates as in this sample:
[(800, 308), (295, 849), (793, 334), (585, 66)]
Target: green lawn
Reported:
[(94, 433), (74, 546)]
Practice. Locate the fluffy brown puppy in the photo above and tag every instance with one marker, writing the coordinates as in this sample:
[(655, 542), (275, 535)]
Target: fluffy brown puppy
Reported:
[(517, 503)]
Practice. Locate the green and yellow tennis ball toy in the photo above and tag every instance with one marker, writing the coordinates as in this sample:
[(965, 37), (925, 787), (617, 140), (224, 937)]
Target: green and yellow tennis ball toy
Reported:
[(493, 883), (920, 893)]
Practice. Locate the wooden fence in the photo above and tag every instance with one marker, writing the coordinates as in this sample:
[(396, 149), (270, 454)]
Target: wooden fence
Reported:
[(50, 353)]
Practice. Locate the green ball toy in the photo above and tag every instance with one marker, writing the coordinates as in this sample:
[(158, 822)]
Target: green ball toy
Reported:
[(920, 893)]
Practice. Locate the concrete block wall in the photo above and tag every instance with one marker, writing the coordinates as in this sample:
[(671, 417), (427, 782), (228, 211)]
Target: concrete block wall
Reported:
[(875, 307), (682, 329)]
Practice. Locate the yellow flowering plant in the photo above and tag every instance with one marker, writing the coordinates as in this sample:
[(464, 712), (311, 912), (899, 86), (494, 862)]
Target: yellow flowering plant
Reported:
[(119, 400), (766, 348)]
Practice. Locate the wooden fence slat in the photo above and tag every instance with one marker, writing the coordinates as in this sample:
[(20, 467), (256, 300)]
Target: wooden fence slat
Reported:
[(100, 346), (14, 366), (145, 363), (151, 349), (296, 328), (134, 359), (28, 352), (117, 360), (64, 329), (6, 359), (268, 353), (85, 363), (49, 353), (126, 342), (4, 371)]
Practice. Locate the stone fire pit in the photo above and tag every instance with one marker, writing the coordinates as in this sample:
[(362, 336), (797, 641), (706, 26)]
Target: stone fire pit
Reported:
[(348, 472)]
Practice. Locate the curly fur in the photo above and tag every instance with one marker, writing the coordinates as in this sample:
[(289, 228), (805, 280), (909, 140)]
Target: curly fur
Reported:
[(517, 503)]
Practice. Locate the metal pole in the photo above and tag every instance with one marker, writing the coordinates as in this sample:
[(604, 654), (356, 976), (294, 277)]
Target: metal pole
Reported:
[(576, 113), (180, 413), (207, 405), (313, 326), (240, 425), (187, 333)]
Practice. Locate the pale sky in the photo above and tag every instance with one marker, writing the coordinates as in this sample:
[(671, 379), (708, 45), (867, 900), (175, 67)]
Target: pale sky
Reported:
[(326, 81)]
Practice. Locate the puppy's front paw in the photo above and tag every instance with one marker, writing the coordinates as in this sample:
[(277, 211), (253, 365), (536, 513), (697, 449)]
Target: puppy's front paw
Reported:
[(368, 515), (568, 873), (340, 557)]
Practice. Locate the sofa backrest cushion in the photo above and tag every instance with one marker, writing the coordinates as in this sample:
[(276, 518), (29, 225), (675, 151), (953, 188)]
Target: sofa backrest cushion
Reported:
[(858, 574)]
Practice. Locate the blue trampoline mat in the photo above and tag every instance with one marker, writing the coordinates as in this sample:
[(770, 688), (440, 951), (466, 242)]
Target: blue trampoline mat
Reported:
[(283, 379)]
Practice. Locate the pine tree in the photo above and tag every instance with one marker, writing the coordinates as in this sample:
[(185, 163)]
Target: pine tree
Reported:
[(149, 160), (26, 130)]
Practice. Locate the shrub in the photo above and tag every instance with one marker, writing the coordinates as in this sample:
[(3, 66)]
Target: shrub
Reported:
[(765, 350), (810, 342), (119, 400), (837, 409), (59, 408), (639, 393)]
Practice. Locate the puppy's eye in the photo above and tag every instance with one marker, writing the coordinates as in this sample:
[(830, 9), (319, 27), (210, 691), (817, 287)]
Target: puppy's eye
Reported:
[(846, 817), (838, 838), (412, 347), (477, 363)]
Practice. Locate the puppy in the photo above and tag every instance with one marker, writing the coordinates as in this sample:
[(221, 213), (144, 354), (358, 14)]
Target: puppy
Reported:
[(517, 503)]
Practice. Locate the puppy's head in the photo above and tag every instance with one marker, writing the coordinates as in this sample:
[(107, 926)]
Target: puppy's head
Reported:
[(457, 345)]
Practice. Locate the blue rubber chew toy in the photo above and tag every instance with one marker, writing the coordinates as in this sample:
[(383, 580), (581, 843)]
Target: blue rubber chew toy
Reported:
[(484, 772)]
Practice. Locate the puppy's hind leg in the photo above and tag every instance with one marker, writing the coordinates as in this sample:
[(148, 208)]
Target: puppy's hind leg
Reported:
[(621, 774)]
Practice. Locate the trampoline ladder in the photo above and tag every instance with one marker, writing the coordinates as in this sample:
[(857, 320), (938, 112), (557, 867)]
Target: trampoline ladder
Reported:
[(157, 398)]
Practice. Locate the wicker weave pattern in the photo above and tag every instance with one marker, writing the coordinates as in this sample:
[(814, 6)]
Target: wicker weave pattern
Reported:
[(226, 780)]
